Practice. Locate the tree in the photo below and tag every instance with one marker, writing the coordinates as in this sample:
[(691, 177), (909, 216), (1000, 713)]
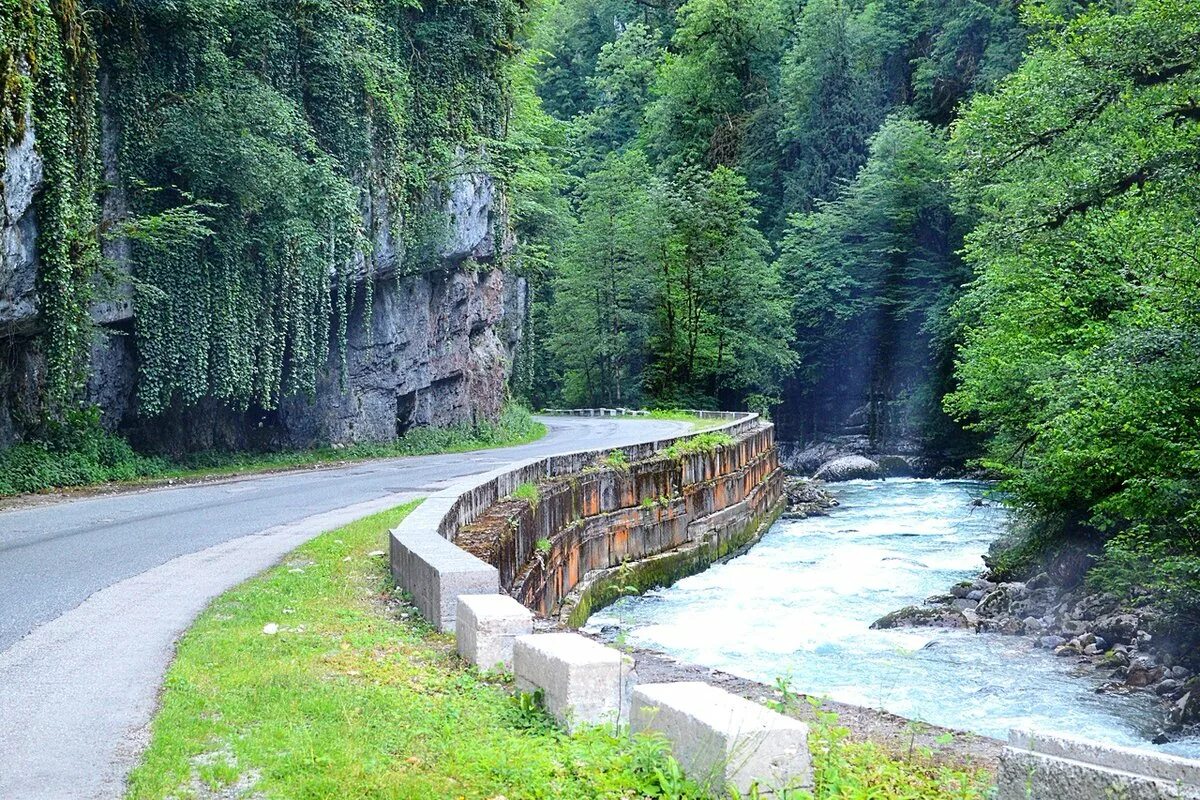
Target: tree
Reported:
[(709, 85), (872, 275), (832, 104), (625, 70), (1082, 327), (604, 293), (730, 334)]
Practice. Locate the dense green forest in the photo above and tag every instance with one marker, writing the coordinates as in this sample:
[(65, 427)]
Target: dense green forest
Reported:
[(979, 219)]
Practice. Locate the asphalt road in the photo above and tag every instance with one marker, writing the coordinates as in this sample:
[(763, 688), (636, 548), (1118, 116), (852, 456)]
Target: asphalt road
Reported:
[(95, 591)]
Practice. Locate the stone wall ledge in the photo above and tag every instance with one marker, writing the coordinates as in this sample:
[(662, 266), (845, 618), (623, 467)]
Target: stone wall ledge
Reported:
[(722, 536), (720, 514)]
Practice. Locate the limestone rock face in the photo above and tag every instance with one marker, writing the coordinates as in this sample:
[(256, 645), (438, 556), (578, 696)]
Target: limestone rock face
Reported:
[(19, 183), (436, 351), (474, 206)]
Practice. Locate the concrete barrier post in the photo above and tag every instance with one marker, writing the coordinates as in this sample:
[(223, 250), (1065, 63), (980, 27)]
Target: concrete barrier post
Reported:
[(581, 681), (435, 573), (487, 627), (1047, 767), (724, 741)]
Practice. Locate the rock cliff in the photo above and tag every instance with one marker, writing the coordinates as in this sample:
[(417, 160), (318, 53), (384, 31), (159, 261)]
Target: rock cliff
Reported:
[(436, 349)]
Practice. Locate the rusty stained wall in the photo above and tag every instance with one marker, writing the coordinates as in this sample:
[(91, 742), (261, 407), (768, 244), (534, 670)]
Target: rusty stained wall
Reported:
[(602, 517)]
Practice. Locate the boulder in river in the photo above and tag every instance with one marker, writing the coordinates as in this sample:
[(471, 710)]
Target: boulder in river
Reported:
[(922, 617), (806, 498), (848, 468), (1144, 671)]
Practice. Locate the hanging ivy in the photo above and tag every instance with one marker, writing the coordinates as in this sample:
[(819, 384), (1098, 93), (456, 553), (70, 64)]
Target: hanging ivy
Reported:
[(287, 117), (48, 76)]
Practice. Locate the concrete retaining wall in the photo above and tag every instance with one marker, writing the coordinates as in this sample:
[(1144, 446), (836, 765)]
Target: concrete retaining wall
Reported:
[(706, 504), (446, 512)]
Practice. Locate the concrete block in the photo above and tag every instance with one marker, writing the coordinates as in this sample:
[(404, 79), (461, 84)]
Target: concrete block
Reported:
[(487, 626), (724, 741), (435, 572), (581, 680), (1050, 767)]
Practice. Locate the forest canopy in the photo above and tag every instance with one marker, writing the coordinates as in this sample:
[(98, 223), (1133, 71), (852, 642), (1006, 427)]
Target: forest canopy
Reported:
[(971, 228)]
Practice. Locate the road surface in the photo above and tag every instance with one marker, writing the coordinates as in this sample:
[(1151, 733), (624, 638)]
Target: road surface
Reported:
[(95, 591)]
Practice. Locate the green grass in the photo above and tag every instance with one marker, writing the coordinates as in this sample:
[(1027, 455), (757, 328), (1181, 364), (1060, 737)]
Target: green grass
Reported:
[(528, 492), (701, 443), (855, 770), (315, 682), (697, 423), (617, 460), (89, 456), (354, 697)]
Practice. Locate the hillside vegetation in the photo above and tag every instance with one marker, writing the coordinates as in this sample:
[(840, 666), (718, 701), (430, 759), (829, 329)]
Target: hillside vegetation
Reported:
[(965, 226)]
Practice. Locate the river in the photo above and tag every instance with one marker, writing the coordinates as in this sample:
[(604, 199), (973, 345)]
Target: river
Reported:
[(800, 604)]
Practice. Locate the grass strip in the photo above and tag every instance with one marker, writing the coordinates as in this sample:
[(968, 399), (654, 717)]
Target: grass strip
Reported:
[(315, 681)]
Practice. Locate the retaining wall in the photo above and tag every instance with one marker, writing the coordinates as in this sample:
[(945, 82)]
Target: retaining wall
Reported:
[(699, 507), (594, 515)]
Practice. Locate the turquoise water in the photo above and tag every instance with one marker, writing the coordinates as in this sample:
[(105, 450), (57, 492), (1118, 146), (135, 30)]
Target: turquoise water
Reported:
[(801, 602)]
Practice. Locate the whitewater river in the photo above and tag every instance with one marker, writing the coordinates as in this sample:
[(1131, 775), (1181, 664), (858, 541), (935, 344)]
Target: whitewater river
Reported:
[(801, 602)]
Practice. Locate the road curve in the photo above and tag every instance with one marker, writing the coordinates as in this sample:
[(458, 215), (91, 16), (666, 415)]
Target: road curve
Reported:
[(94, 592)]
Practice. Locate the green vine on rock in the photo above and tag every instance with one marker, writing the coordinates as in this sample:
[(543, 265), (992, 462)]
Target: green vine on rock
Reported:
[(263, 146), (48, 73), (305, 128)]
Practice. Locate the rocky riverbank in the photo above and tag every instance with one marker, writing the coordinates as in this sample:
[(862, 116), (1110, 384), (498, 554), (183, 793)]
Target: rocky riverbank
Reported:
[(1125, 645)]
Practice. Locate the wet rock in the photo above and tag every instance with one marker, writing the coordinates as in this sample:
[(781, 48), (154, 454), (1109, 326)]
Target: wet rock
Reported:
[(1009, 626), (922, 617), (1068, 649), (1186, 710), (1094, 606), (1040, 581), (1051, 642), (1168, 687), (806, 460), (1117, 627), (897, 467), (962, 590), (1033, 625), (993, 603), (848, 468), (1072, 627), (1143, 671), (806, 498), (976, 595)]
